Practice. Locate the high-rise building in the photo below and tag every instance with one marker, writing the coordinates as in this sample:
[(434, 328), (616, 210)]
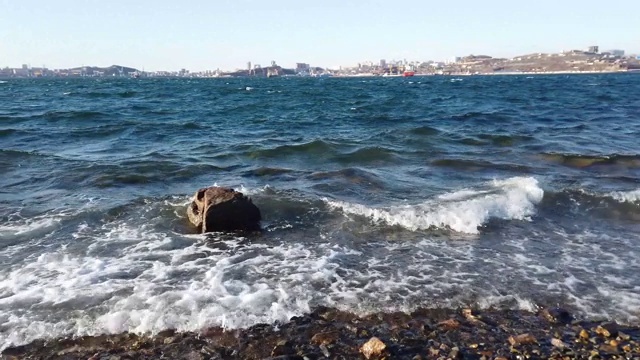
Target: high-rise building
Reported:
[(594, 49), (383, 63), (273, 63), (302, 67), (616, 52), (249, 65)]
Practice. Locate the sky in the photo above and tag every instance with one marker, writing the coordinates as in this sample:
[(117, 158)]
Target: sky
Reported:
[(226, 34)]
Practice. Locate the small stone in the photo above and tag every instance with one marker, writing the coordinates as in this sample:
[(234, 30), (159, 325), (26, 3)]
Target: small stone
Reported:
[(373, 347), (283, 347), (194, 355), (558, 343), (169, 340), (455, 353), (584, 334), (627, 348), (613, 343), (622, 336), (433, 352), (557, 315), (602, 331), (449, 324), (522, 339), (473, 346), (609, 349), (325, 338), (324, 350), (607, 330)]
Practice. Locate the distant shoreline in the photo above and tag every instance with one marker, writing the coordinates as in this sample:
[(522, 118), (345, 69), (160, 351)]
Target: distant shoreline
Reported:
[(504, 73), (5, 79)]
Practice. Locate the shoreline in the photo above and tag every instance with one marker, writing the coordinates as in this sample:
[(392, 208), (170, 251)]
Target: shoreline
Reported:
[(550, 333), (510, 73)]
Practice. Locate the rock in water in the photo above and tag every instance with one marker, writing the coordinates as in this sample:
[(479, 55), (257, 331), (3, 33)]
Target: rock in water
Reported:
[(223, 209)]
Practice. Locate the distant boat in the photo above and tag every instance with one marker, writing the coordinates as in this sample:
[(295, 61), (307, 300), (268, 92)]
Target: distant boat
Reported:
[(408, 73)]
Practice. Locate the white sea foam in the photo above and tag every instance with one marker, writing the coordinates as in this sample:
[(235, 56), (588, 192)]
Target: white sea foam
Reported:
[(151, 284), (626, 196), (464, 211), (125, 275), (20, 227)]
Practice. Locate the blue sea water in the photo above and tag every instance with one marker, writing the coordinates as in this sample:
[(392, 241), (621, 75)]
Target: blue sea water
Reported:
[(377, 194)]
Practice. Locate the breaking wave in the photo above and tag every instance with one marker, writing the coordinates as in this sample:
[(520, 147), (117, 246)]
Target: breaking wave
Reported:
[(464, 211)]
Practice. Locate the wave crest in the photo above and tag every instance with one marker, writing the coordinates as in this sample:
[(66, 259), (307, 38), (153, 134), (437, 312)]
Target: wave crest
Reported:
[(463, 211)]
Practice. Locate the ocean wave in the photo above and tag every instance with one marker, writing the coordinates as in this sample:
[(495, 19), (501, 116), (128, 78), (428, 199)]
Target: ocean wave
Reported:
[(473, 165), (6, 132), (632, 196), (510, 199), (266, 171), (312, 148), (367, 155), (425, 131), (586, 161), (73, 115)]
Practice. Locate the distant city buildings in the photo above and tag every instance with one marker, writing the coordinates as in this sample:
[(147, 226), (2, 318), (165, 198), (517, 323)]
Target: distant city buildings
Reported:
[(302, 68), (616, 52), (589, 60)]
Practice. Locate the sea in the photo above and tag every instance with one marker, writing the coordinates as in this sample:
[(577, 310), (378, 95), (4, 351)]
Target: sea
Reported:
[(377, 194)]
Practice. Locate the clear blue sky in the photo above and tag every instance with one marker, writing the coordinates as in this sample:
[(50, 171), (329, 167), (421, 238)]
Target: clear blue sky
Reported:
[(200, 35)]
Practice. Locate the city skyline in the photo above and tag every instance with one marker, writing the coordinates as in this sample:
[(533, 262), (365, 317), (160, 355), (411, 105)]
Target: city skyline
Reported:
[(167, 35)]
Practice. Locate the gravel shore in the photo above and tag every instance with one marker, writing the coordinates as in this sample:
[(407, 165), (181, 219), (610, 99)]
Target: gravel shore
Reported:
[(332, 334)]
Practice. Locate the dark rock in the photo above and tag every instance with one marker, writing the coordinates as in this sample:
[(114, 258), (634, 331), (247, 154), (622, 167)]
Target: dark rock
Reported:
[(282, 348), (223, 209), (607, 330), (325, 338), (557, 315)]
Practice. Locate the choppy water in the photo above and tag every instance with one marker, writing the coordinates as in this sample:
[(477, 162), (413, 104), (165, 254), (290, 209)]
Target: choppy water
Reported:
[(377, 194)]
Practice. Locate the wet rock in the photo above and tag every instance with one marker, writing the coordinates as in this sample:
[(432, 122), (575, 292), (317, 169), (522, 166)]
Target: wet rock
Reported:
[(283, 347), (223, 209), (557, 315), (455, 353), (449, 324), (332, 334), (325, 338), (324, 350), (522, 339), (623, 337), (584, 335), (608, 349), (558, 343), (607, 330), (373, 347)]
